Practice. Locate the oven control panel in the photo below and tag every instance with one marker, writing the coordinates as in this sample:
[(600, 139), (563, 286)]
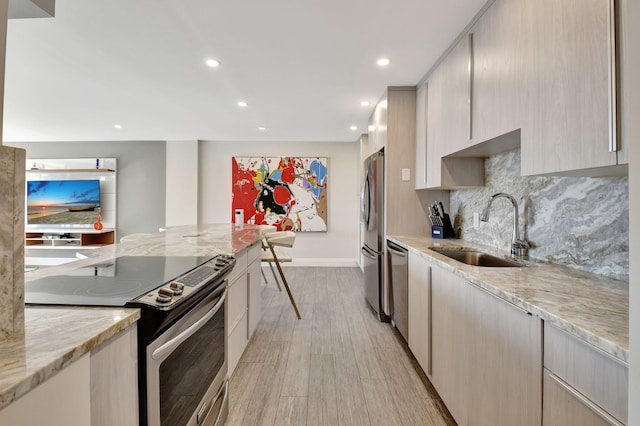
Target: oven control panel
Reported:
[(184, 285)]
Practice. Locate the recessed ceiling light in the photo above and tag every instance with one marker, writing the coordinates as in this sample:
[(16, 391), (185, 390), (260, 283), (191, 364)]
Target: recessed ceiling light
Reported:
[(383, 62), (262, 128), (117, 126), (353, 128), (213, 63), (242, 104), (364, 103)]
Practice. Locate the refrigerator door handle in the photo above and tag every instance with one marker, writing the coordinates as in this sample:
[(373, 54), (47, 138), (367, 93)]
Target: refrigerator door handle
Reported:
[(366, 202), (369, 254)]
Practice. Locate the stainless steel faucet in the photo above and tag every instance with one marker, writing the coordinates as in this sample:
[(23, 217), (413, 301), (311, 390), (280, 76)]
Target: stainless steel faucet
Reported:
[(518, 247)]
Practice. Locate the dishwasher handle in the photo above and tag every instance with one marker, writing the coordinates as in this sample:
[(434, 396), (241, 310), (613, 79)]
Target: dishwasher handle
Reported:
[(398, 251)]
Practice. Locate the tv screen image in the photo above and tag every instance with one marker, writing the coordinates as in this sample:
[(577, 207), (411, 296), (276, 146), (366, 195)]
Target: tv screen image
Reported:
[(63, 202)]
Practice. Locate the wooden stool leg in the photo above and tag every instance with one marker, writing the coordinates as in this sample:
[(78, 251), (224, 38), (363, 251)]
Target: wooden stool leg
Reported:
[(284, 282), (275, 278)]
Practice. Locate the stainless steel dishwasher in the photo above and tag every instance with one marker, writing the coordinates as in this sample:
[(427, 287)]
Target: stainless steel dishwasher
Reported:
[(399, 283)]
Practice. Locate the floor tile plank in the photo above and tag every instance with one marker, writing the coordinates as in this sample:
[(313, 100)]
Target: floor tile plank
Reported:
[(337, 366)]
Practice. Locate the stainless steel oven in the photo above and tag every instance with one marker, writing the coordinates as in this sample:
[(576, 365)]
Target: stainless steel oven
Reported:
[(186, 368), (182, 370)]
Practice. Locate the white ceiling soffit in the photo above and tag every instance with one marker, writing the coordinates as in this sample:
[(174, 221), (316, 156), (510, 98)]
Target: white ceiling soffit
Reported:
[(303, 67), (20, 9)]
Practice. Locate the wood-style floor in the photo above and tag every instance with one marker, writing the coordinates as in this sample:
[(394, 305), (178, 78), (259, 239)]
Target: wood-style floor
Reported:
[(336, 366)]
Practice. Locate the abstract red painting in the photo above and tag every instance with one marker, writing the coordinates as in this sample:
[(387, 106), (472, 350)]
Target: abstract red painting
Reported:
[(289, 193)]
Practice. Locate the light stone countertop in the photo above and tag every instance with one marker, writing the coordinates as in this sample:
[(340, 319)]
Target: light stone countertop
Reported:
[(591, 307), (57, 336)]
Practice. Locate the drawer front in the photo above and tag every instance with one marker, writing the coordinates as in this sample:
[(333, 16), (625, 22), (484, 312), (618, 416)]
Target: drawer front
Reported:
[(565, 406), (236, 343), (254, 252), (596, 375), (240, 267), (237, 300)]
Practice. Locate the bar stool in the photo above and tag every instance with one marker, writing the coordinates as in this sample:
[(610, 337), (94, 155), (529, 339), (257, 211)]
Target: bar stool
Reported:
[(266, 254), (281, 239)]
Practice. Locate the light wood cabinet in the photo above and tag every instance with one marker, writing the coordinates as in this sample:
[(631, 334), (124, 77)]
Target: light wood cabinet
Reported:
[(498, 61), (448, 125), (255, 293), (421, 136), (564, 406), (451, 327), (377, 136), (100, 388), (582, 381), (395, 114), (243, 307), (505, 370), (419, 339), (570, 113), (114, 380), (62, 400), (486, 354)]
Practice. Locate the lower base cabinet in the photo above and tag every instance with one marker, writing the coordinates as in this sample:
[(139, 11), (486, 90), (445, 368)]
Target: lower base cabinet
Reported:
[(244, 308), (494, 363), (565, 406), (419, 282), (100, 388), (487, 355), (582, 385), (62, 400)]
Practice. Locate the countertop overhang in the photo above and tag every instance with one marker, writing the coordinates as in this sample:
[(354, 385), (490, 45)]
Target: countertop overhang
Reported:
[(591, 307)]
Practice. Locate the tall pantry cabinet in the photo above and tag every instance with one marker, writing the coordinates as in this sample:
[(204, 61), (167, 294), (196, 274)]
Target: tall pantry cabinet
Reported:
[(392, 127)]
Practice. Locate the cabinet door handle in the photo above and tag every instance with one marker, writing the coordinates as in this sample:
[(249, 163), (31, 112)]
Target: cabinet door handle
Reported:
[(499, 298), (471, 65), (585, 401), (430, 323), (613, 90)]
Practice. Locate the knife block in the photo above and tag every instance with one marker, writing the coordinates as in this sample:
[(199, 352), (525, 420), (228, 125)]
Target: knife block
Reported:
[(444, 231)]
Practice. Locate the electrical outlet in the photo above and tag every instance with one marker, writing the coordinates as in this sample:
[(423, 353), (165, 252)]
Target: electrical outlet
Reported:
[(476, 220), (406, 175)]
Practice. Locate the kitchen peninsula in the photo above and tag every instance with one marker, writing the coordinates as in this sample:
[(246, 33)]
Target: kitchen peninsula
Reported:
[(57, 338)]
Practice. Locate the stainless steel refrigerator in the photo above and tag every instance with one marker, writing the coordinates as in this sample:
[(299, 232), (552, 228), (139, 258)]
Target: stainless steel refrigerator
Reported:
[(373, 241)]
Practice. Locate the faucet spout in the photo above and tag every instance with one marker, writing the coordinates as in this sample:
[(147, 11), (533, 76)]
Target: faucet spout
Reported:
[(518, 246)]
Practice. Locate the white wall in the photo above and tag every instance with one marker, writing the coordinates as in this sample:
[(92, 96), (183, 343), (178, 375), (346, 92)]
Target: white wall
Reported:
[(336, 247), (182, 183), (630, 13)]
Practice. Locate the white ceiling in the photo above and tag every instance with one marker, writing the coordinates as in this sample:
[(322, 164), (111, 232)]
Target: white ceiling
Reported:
[(302, 66)]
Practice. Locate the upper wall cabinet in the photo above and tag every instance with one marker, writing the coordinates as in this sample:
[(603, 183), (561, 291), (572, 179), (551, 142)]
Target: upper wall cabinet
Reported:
[(448, 122), (498, 60), (377, 136), (539, 74), (570, 116)]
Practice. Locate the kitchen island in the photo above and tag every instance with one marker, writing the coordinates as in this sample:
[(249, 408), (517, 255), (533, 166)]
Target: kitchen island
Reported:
[(56, 337)]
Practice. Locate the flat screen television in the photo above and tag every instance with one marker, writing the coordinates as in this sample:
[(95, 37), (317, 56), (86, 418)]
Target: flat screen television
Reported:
[(62, 203)]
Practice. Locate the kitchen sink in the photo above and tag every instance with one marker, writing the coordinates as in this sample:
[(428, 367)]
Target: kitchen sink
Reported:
[(477, 258)]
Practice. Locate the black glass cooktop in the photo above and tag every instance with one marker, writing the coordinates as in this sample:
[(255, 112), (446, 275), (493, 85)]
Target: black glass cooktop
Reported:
[(109, 283)]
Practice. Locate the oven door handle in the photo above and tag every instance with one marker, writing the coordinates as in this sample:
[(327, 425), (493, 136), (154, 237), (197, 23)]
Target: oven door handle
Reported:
[(168, 347)]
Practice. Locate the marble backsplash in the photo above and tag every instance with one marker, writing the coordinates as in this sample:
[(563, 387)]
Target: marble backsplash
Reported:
[(578, 222)]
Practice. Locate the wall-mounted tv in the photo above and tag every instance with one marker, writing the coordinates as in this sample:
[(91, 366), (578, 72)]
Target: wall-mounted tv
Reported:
[(62, 203)]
